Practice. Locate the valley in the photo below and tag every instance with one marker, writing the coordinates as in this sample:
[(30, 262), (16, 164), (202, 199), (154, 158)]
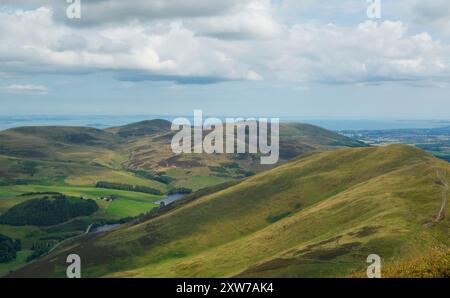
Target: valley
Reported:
[(127, 171), (199, 143), (318, 215)]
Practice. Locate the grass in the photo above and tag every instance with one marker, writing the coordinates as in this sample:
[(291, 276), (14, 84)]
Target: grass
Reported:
[(199, 182), (80, 156), (123, 208), (18, 262), (70, 160), (354, 202), (127, 203), (433, 264)]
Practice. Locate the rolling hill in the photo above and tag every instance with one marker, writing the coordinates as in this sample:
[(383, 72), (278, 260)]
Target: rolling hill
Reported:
[(318, 215), (82, 156), (46, 161)]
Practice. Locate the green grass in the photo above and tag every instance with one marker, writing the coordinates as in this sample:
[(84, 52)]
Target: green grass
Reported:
[(123, 208), (127, 203), (17, 232), (200, 181), (18, 262), (354, 202), (70, 160)]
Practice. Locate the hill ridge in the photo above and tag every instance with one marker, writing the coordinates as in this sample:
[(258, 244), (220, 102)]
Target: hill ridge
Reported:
[(324, 199)]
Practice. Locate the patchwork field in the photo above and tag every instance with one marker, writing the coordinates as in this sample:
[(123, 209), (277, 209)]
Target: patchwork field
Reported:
[(126, 204)]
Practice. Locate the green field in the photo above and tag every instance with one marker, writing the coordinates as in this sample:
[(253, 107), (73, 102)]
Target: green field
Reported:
[(134, 202), (125, 204), (317, 216)]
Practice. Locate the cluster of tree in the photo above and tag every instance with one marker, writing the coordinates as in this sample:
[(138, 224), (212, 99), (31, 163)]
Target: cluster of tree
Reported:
[(7, 182), (127, 187), (33, 193), (218, 169), (230, 165), (8, 249), (230, 170), (245, 173), (48, 211), (179, 190), (160, 177), (40, 248)]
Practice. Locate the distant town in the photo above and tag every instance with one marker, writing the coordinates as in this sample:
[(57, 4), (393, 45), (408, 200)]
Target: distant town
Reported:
[(433, 140)]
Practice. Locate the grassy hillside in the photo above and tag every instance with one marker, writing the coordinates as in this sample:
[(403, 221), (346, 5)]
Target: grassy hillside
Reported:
[(71, 160), (82, 156), (319, 215)]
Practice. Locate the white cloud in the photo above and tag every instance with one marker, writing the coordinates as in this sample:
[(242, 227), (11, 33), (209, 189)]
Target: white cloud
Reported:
[(253, 20), (26, 89), (369, 52), (32, 42), (243, 40)]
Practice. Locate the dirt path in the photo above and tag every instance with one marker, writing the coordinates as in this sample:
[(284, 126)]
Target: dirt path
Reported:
[(443, 180), (69, 239), (445, 187)]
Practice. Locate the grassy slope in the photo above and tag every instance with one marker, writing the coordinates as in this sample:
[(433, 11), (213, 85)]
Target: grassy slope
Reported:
[(80, 156), (71, 160), (319, 215)]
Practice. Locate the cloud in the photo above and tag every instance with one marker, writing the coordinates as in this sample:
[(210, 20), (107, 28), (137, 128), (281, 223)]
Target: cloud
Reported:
[(32, 42), (254, 20), (98, 12), (4, 75), (242, 40), (26, 89), (433, 13), (370, 52)]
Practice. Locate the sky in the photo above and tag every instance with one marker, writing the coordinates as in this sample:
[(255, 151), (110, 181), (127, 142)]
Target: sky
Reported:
[(280, 58)]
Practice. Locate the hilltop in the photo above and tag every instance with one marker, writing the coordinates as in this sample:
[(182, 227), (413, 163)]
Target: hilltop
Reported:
[(318, 215)]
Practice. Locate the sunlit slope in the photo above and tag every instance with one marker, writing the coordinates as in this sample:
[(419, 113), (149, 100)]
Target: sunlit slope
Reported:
[(319, 215)]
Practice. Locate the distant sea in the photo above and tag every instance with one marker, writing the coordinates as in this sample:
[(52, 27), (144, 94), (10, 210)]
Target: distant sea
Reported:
[(110, 121)]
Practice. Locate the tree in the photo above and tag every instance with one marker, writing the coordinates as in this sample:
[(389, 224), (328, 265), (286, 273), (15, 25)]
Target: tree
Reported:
[(7, 249)]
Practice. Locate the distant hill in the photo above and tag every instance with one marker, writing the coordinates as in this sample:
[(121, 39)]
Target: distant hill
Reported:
[(74, 161), (318, 215), (143, 128), (82, 156), (51, 142)]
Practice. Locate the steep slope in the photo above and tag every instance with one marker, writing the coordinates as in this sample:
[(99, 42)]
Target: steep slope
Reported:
[(318, 215)]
